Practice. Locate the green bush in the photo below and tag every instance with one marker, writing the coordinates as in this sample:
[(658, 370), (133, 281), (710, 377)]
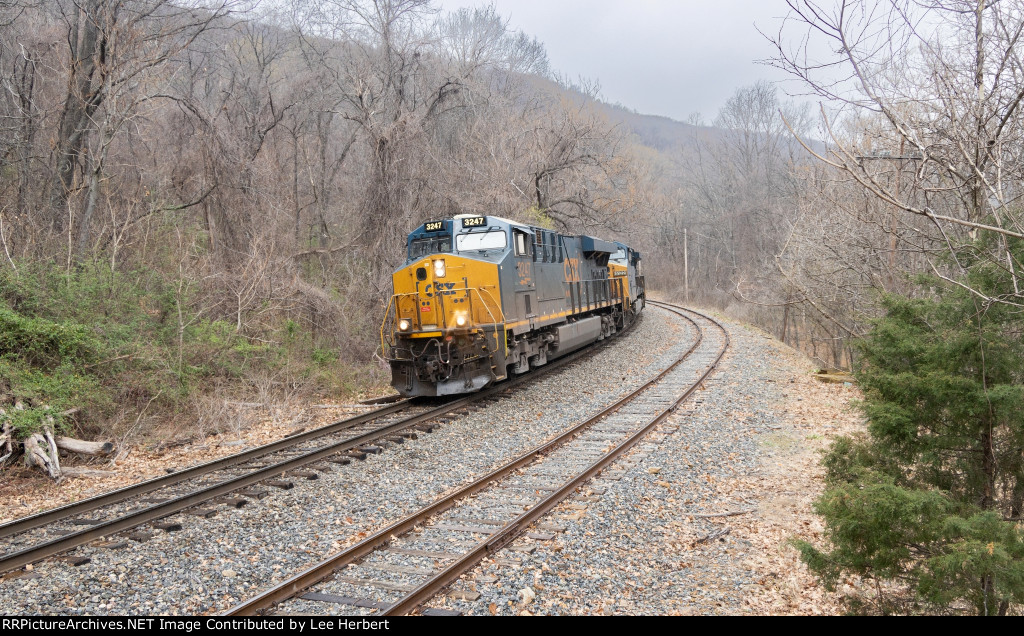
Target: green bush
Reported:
[(43, 342), (111, 344), (929, 502)]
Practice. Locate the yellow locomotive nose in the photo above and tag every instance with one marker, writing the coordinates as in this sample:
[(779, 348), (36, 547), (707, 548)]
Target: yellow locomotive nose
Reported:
[(433, 296)]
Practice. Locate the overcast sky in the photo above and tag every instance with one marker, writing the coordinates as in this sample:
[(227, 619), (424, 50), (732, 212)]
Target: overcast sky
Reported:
[(659, 57)]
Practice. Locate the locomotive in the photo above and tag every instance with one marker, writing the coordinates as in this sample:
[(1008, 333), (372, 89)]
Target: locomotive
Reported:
[(481, 298)]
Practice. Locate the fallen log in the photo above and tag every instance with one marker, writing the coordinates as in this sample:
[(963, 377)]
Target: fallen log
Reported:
[(82, 447)]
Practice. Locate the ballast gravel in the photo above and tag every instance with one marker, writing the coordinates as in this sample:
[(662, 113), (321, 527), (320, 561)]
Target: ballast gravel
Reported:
[(213, 563)]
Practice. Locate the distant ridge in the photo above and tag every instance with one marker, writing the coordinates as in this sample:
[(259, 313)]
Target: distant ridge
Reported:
[(655, 131)]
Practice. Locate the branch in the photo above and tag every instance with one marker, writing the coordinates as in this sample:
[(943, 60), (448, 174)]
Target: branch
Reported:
[(987, 299), (732, 513), (979, 226), (329, 250)]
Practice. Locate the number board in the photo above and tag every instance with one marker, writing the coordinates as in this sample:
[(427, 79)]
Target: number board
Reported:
[(474, 221), (434, 226)]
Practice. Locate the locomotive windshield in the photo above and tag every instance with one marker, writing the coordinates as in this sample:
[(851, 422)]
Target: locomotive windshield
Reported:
[(618, 257), (430, 245), (489, 240)]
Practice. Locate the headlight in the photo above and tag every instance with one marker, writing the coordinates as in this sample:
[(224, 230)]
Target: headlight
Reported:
[(460, 320), (403, 325), (439, 268)]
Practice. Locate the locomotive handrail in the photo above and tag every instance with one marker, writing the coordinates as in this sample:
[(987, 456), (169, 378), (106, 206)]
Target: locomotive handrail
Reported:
[(387, 312), (481, 292)]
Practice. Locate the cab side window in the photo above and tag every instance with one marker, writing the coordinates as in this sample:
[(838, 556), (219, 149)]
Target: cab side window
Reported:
[(522, 243)]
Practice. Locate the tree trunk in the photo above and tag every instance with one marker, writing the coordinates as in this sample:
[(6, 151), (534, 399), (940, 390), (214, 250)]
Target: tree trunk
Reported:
[(80, 103), (85, 224)]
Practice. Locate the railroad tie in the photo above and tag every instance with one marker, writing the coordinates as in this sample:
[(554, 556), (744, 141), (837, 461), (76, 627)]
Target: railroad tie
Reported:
[(343, 600), (167, 526)]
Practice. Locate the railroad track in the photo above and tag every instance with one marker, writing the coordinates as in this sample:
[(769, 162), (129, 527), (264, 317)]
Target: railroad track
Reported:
[(236, 479), (399, 568)]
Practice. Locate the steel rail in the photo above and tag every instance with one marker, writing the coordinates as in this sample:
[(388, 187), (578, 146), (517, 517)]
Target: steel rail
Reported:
[(115, 496), (20, 558), (516, 527), (382, 538)]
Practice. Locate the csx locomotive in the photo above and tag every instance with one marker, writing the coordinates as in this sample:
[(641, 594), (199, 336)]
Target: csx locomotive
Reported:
[(480, 298)]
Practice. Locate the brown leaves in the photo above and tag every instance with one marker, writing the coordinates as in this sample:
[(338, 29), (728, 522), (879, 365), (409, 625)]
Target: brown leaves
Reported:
[(790, 479)]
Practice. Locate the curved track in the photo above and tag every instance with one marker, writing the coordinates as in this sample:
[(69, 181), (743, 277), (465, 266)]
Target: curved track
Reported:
[(498, 507)]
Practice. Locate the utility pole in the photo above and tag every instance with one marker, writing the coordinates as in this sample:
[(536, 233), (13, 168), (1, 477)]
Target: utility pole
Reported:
[(686, 265)]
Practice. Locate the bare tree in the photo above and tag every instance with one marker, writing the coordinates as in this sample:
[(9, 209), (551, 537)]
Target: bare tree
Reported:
[(945, 80)]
